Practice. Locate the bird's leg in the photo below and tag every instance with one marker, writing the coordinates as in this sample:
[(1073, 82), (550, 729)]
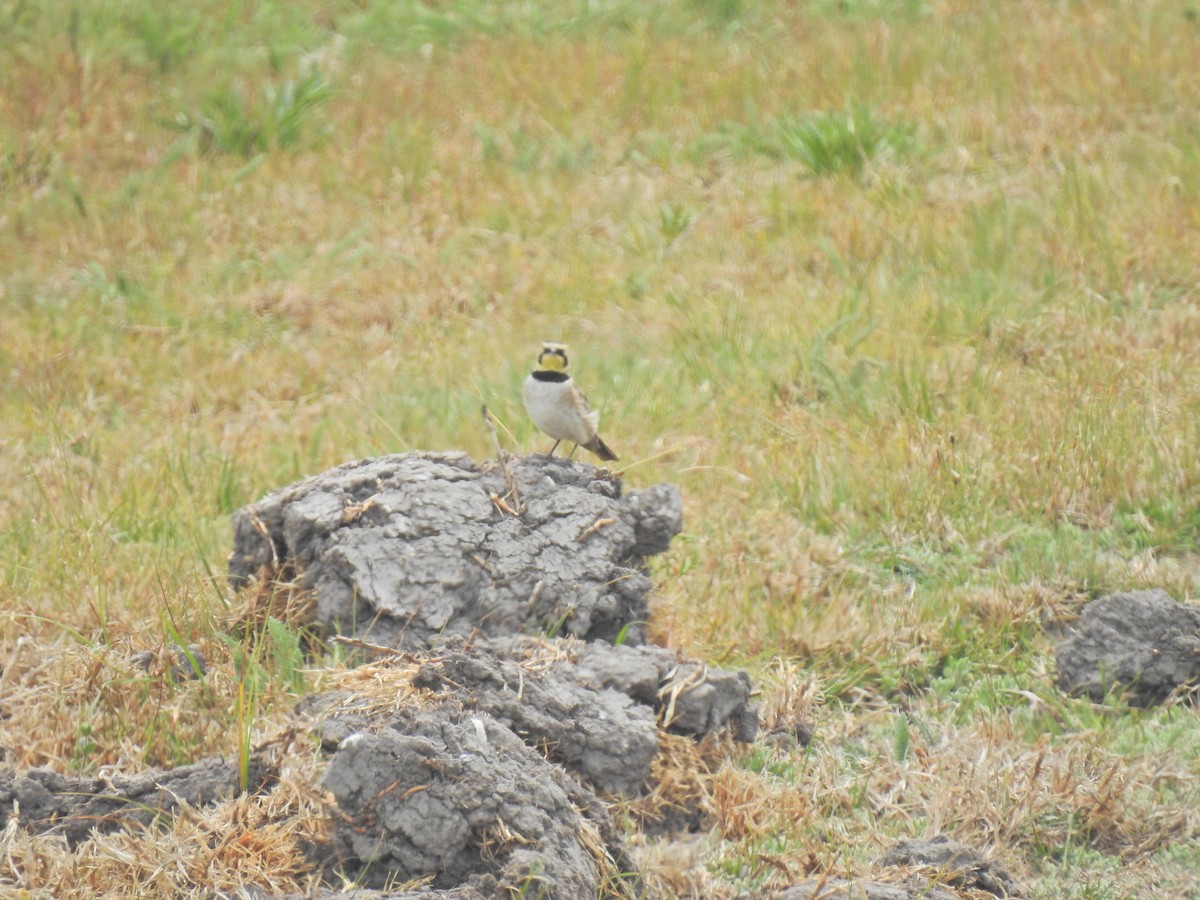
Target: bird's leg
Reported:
[(574, 447), (555, 447)]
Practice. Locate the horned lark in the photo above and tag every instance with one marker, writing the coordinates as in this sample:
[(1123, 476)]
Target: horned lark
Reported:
[(558, 407)]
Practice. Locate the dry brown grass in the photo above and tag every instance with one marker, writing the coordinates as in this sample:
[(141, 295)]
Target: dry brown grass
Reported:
[(245, 841), (87, 706)]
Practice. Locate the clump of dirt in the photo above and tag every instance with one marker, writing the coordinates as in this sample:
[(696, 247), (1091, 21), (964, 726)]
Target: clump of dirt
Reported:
[(597, 734), (75, 808), (406, 550), (595, 708), (491, 772), (954, 864), (461, 798), (602, 735), (1142, 642), (937, 868)]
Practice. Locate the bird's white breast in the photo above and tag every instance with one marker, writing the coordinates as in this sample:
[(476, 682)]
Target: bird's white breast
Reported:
[(552, 407)]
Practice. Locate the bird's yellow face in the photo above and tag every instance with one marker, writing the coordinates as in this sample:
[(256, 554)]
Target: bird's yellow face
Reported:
[(553, 358)]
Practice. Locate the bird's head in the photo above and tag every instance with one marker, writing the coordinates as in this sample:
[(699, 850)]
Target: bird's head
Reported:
[(553, 357)]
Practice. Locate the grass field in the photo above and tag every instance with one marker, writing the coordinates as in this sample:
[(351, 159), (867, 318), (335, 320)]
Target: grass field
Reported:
[(905, 296)]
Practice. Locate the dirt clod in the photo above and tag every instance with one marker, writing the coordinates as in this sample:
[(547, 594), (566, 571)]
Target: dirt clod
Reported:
[(405, 550), (75, 807), (1142, 641), (508, 603), (458, 797), (937, 868), (842, 889), (956, 865)]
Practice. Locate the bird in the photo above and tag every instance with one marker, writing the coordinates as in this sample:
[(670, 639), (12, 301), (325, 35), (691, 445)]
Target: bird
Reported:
[(558, 407)]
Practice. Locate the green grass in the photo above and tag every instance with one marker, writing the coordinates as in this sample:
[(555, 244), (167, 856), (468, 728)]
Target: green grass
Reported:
[(902, 297), (830, 142), (230, 123)]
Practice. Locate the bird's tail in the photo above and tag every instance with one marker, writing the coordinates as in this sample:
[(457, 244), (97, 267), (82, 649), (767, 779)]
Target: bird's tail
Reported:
[(600, 448)]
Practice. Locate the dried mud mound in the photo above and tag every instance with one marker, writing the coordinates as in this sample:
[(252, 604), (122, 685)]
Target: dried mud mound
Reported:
[(1142, 641), (489, 774), (407, 549), (461, 797), (595, 708), (45, 801)]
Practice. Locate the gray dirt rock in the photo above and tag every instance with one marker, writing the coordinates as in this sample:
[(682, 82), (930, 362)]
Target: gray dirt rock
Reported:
[(957, 865), (595, 708), (841, 889), (409, 548), (490, 783), (459, 797), (689, 698), (1141, 640), (75, 807), (944, 867), (602, 735)]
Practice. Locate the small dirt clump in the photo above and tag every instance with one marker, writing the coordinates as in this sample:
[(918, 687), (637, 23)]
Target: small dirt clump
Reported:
[(406, 550), (1140, 641), (459, 797)]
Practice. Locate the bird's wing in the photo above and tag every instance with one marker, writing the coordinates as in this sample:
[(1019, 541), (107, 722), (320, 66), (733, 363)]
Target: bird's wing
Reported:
[(581, 403)]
